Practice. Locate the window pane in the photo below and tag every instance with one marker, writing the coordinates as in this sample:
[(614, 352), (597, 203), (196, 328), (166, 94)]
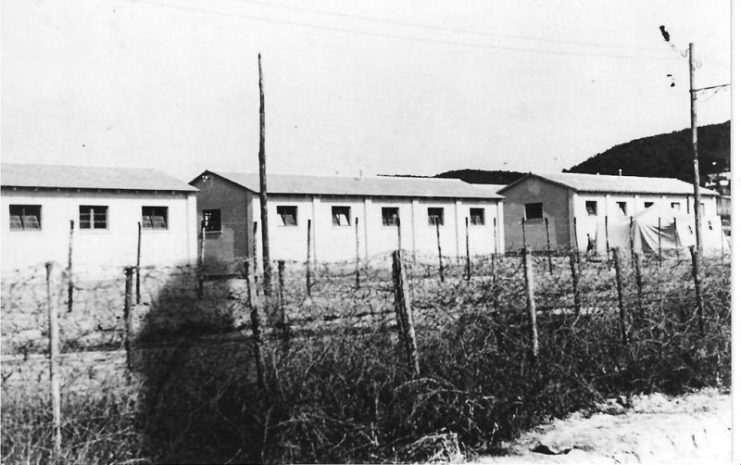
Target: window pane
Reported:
[(591, 207), (212, 219), (93, 216), (154, 217), (389, 216), (288, 215), (25, 217), (341, 216), (534, 211), (477, 216), (623, 207), (435, 215)]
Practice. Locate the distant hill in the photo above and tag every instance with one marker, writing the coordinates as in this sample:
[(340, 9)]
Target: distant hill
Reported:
[(482, 177), (665, 155)]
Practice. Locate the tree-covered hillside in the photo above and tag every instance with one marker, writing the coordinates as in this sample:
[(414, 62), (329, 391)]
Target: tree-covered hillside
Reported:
[(665, 155)]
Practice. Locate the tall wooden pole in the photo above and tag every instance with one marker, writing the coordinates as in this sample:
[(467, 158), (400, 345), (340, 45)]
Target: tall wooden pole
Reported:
[(530, 296), (308, 257), (468, 255), (357, 254), (254, 251), (621, 307), (267, 273), (695, 156), (524, 242), (548, 246)]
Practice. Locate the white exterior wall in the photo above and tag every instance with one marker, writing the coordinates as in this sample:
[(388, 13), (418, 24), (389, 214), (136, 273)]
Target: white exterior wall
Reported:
[(113, 247), (331, 243), (635, 203)]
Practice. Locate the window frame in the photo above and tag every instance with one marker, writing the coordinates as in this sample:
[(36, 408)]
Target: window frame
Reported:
[(676, 206), (595, 211), (431, 215), (23, 227), (292, 212), (385, 217), (206, 215), (648, 204), (471, 216), (149, 225), (528, 209), (91, 210), (341, 211), (622, 206)]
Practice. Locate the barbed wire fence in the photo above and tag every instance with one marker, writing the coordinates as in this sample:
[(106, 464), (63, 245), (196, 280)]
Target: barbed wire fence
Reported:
[(115, 328)]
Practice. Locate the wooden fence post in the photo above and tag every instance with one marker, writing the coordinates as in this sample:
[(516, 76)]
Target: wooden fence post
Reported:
[(129, 272), (496, 239), (404, 312), (439, 250), (576, 243), (607, 239), (256, 325), (619, 280), (398, 231), (698, 288), (530, 294), (548, 246), (357, 254), (138, 262), (282, 303), (524, 241), (54, 366), (70, 283), (308, 257), (676, 238), (201, 255), (494, 286), (573, 261), (630, 238), (639, 280), (254, 250), (468, 255), (659, 241)]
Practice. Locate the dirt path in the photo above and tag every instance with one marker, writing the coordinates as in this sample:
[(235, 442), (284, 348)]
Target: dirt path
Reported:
[(690, 429)]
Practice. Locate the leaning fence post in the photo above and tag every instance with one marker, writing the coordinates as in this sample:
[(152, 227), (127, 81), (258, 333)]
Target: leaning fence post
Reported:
[(129, 272), (524, 242), (468, 255), (308, 257), (639, 281), (530, 293), (439, 249), (698, 288), (494, 288), (398, 232), (357, 254), (548, 246), (255, 320), (54, 365), (70, 284), (632, 245), (254, 250), (619, 281), (607, 239), (575, 282), (676, 238), (404, 312), (138, 262)]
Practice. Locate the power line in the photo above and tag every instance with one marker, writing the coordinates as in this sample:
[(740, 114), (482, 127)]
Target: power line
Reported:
[(399, 36), (441, 28)]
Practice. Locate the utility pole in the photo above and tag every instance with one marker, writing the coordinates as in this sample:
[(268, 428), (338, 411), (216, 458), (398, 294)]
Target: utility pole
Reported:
[(695, 159), (267, 273)]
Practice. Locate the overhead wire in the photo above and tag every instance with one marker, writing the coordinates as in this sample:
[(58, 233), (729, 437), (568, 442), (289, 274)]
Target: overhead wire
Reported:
[(400, 36)]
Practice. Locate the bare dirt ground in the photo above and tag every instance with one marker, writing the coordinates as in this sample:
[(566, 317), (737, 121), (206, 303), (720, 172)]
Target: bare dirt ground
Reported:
[(689, 429)]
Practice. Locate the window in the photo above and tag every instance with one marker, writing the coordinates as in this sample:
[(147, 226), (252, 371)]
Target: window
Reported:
[(648, 204), (623, 208), (435, 215), (534, 211), (676, 206), (93, 217), (154, 217), (477, 216), (288, 215), (389, 216), (25, 217), (341, 216), (212, 220), (591, 207), (702, 208)]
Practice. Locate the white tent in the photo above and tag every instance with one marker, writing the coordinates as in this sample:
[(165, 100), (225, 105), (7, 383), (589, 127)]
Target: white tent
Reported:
[(662, 227)]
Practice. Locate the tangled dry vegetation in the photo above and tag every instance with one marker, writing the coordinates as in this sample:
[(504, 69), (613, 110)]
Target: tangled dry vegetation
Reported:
[(339, 390)]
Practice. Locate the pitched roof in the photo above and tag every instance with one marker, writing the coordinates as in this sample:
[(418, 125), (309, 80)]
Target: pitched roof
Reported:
[(372, 186), (89, 177), (616, 184)]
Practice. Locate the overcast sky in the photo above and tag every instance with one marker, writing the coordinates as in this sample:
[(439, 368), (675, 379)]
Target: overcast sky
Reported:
[(393, 86)]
